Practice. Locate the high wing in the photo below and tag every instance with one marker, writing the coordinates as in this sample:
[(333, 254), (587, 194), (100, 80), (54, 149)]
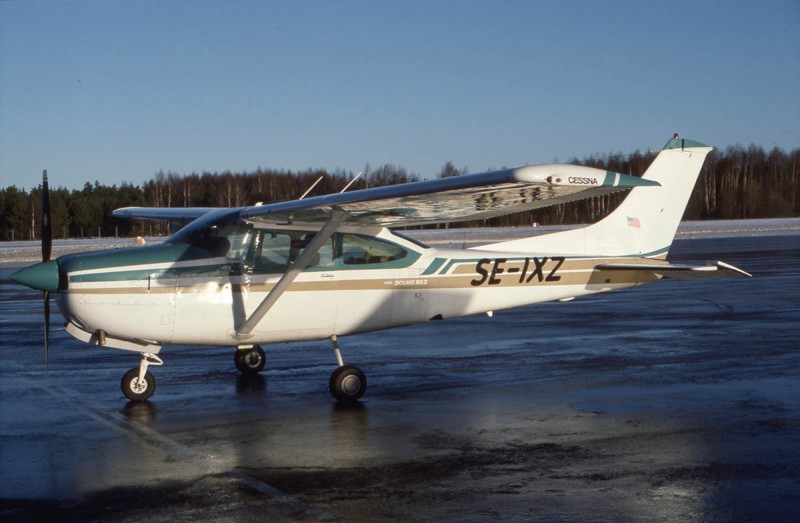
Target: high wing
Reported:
[(717, 270), (458, 198), (445, 200)]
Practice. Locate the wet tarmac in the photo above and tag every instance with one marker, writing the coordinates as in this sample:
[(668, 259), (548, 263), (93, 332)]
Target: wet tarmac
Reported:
[(676, 401)]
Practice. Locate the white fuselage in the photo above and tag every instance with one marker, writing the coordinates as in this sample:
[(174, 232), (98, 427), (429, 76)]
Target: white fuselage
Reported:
[(182, 306)]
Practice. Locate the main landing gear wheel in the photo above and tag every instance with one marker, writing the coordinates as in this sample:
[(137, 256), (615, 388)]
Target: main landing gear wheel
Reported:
[(136, 389), (348, 383), (250, 361)]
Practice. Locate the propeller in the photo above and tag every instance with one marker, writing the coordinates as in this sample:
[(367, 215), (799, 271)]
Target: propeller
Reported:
[(47, 249)]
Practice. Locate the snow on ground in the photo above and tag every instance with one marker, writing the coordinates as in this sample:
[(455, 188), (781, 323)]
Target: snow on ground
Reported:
[(24, 252)]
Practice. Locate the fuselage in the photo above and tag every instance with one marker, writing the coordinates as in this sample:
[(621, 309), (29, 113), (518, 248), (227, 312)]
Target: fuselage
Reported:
[(189, 291)]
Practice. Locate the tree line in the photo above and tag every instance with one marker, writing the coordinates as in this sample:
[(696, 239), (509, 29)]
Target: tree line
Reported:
[(735, 183)]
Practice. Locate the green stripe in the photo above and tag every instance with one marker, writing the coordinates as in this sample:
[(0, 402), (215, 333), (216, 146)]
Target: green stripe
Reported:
[(120, 276), (454, 261), (144, 255), (195, 271), (434, 266), (626, 180)]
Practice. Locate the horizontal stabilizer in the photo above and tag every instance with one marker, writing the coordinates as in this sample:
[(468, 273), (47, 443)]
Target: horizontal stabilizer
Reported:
[(718, 270)]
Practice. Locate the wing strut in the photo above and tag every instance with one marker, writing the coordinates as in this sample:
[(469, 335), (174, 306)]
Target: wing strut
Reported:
[(327, 230)]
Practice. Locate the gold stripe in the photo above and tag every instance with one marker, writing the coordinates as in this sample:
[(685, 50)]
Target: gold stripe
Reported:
[(616, 277)]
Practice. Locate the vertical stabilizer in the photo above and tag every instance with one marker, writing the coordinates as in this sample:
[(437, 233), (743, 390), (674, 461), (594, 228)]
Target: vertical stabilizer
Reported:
[(646, 221)]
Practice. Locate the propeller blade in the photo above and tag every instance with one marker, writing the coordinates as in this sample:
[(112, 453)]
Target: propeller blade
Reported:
[(47, 249), (47, 224), (46, 327)]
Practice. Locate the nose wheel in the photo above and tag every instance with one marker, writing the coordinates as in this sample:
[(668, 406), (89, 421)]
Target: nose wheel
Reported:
[(348, 383), (138, 384)]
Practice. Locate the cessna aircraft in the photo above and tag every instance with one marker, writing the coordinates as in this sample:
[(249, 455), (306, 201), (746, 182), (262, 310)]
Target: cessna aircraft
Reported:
[(330, 266)]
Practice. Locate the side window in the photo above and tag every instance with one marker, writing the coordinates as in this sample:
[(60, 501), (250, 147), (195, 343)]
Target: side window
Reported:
[(325, 256), (362, 250), (272, 254), (229, 240), (276, 250), (239, 236)]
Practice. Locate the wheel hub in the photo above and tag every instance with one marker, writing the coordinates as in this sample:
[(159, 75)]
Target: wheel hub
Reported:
[(252, 359), (138, 386), (351, 384)]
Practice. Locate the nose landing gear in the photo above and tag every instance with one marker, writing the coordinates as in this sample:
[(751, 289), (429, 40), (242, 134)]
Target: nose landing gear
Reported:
[(138, 384)]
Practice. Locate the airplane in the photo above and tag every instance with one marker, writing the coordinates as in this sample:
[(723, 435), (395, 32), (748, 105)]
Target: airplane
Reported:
[(330, 266)]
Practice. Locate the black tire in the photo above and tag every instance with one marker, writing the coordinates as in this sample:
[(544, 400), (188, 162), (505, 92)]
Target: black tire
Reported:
[(133, 389), (250, 361), (348, 383)]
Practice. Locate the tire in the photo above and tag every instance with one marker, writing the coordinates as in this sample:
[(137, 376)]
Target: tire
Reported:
[(250, 361), (133, 389), (348, 383)]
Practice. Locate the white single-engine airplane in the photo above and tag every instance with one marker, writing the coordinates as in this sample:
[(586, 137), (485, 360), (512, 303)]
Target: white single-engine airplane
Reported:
[(330, 266)]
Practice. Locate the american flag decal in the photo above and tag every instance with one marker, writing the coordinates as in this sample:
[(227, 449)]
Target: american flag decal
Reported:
[(634, 222)]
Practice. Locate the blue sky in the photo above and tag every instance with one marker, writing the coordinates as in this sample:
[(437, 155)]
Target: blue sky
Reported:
[(115, 91)]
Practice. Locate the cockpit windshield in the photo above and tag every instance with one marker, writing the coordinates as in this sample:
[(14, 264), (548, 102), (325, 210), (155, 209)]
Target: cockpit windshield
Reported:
[(219, 232)]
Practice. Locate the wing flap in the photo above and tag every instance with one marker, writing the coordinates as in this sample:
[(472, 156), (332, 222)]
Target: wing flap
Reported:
[(718, 270)]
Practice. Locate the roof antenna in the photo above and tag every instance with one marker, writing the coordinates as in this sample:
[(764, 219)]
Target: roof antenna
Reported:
[(351, 182), (310, 188)]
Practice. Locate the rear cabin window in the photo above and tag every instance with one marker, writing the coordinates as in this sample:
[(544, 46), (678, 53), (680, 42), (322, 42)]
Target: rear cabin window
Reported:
[(365, 250)]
